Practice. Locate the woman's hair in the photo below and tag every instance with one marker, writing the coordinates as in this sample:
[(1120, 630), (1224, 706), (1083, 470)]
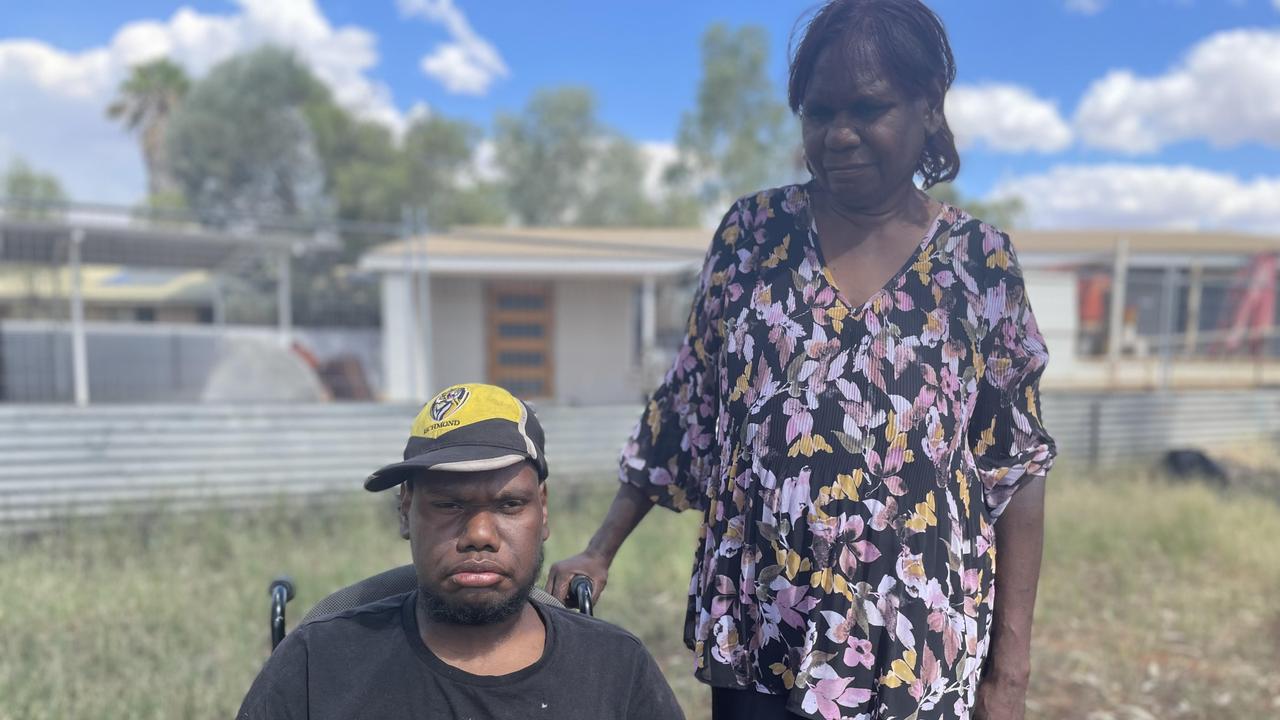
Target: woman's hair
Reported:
[(908, 41)]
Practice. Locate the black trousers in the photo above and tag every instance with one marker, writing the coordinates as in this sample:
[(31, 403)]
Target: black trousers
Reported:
[(748, 705)]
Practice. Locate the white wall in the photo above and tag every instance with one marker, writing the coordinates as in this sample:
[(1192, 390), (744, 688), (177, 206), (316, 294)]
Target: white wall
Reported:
[(458, 338), (595, 343), (594, 339), (1054, 298), (405, 371)]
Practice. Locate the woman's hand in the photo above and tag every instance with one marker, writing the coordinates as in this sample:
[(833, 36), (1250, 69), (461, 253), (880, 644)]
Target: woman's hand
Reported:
[(587, 563), (629, 507), (1002, 694)]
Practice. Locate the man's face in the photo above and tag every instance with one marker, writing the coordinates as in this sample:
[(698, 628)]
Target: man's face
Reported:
[(476, 540)]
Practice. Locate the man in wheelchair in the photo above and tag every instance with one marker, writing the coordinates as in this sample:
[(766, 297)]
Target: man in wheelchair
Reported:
[(468, 642)]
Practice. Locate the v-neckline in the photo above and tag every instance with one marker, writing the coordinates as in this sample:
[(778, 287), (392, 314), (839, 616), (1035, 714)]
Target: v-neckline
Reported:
[(825, 267)]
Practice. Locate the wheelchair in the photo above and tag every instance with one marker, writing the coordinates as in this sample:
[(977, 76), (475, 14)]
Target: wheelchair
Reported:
[(393, 582)]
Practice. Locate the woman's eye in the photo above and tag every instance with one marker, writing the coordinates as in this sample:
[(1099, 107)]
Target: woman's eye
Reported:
[(817, 114), (870, 110)]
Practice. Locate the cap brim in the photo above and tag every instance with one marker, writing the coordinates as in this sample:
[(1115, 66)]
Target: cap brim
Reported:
[(466, 458)]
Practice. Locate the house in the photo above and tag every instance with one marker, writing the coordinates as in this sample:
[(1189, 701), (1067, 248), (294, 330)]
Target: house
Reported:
[(572, 316), (111, 293), (591, 316)]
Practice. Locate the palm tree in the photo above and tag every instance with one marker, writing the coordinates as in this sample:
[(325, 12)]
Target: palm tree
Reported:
[(145, 102)]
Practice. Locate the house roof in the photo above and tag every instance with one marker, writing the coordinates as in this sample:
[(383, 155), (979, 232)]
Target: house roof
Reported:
[(1146, 247), (115, 242), (628, 252), (639, 251), (107, 284)]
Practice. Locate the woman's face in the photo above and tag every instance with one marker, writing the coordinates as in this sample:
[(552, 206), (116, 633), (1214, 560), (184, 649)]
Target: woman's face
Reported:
[(862, 135)]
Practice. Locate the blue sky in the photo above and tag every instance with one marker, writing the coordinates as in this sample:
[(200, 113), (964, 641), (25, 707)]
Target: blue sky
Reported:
[(1096, 112)]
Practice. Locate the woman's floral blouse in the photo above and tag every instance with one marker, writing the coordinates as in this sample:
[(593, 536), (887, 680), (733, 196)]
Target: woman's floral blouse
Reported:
[(849, 461)]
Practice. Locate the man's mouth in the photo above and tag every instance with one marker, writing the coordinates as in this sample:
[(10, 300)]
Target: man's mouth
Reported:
[(476, 580), (477, 574)]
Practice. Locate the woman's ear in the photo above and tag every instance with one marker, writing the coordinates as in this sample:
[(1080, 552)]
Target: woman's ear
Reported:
[(933, 115), (406, 503)]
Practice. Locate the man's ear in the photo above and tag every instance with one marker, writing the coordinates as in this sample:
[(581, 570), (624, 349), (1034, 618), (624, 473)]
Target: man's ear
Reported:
[(406, 503), (546, 526)]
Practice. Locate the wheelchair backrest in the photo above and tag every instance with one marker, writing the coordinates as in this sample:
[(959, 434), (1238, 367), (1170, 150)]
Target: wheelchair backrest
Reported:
[(384, 585)]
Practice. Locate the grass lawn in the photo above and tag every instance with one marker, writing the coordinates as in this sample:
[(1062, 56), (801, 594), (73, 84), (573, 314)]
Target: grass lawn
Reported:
[(1156, 601)]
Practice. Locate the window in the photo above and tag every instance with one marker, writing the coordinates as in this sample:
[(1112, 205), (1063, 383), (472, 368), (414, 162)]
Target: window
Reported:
[(522, 359), (520, 330), (521, 301)]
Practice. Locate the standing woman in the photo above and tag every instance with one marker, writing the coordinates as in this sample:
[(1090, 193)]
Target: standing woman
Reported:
[(855, 412)]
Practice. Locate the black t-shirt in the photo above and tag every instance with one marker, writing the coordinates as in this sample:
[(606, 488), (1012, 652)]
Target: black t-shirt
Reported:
[(370, 662)]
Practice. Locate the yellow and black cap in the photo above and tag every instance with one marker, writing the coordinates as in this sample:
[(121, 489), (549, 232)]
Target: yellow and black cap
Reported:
[(468, 428)]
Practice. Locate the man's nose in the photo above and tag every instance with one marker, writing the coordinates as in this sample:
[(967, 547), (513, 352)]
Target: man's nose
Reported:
[(480, 533)]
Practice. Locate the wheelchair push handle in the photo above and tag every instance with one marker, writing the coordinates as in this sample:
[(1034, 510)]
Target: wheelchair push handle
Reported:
[(580, 594), (281, 592)]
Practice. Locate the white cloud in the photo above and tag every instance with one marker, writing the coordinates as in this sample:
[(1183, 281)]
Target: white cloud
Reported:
[(1006, 118), (1226, 91), (1089, 7), (468, 64), (1148, 196), (52, 96)]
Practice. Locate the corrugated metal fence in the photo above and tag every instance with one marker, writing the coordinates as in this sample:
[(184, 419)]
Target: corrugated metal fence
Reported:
[(59, 461)]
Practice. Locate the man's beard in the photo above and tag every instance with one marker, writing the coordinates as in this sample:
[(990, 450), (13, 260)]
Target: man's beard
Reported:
[(445, 610)]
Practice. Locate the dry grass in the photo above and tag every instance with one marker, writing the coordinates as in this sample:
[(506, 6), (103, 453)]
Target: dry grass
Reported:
[(1157, 601)]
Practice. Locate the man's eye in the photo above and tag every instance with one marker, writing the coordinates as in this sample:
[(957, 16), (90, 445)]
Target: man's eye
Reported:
[(512, 505), (446, 506)]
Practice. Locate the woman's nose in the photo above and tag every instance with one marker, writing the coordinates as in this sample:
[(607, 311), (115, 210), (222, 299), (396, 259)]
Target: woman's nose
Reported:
[(842, 134)]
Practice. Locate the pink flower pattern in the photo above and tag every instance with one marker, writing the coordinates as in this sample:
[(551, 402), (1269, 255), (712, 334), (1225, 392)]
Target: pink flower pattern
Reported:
[(849, 462)]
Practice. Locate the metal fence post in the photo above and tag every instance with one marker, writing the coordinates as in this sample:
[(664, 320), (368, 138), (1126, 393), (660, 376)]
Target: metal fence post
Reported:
[(79, 345), (1167, 301), (1115, 330), (1095, 433), (284, 298)]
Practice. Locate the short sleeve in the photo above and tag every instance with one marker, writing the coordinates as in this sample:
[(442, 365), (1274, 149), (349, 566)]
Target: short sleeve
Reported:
[(670, 454), (280, 690), (1011, 446), (651, 695)]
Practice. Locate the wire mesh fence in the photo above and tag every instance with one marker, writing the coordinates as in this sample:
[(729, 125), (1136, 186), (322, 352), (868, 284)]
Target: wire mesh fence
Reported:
[(163, 308)]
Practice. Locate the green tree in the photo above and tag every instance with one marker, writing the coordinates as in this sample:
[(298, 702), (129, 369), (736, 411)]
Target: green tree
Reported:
[(1004, 214), (145, 103), (31, 194), (365, 174), (371, 177), (242, 144), (440, 157), (542, 153), (615, 193), (739, 137)]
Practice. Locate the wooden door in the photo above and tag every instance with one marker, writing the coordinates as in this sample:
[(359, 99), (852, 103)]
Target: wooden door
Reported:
[(520, 358)]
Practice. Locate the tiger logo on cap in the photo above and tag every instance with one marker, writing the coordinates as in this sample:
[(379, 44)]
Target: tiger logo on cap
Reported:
[(449, 402)]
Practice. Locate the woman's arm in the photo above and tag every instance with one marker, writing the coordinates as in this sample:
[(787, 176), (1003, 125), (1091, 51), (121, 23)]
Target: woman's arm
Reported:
[(1019, 543), (629, 507)]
